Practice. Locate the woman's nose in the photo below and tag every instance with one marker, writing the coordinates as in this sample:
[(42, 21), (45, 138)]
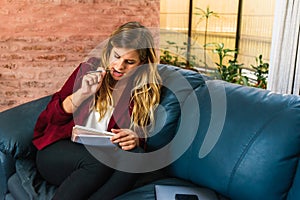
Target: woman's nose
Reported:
[(120, 64)]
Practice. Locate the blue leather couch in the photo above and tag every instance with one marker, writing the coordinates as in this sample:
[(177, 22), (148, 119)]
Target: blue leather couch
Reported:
[(231, 141)]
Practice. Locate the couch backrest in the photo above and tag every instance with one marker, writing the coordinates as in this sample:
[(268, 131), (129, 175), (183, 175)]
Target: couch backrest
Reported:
[(177, 86), (247, 144)]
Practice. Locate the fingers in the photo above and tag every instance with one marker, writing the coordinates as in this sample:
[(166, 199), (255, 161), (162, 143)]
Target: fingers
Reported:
[(91, 82), (126, 138), (93, 78)]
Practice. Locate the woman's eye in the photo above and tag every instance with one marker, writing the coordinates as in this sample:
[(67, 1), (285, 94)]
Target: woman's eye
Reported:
[(117, 56), (130, 62)]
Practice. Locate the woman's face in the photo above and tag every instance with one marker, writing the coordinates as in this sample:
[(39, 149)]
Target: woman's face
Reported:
[(122, 61)]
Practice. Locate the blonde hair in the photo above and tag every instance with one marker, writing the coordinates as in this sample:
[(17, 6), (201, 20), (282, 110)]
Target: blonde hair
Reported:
[(145, 93)]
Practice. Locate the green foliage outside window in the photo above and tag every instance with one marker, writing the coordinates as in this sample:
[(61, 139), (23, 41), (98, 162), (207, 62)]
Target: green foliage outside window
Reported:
[(230, 71)]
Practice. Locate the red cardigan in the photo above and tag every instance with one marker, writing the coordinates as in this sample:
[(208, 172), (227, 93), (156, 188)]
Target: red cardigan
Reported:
[(54, 123)]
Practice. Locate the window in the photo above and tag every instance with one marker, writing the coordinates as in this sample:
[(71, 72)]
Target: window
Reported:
[(252, 35)]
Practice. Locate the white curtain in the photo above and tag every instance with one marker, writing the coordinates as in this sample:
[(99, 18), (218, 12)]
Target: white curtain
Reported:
[(284, 74)]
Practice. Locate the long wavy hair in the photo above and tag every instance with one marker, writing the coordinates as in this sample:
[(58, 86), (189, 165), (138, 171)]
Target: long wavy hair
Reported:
[(145, 93)]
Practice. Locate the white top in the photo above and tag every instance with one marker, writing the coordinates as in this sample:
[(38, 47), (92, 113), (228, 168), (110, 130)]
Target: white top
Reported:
[(93, 119)]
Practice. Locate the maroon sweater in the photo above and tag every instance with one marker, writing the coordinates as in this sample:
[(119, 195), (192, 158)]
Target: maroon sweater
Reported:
[(54, 123)]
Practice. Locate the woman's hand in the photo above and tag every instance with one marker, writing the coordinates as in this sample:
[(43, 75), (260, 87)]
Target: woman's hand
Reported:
[(91, 82), (126, 138)]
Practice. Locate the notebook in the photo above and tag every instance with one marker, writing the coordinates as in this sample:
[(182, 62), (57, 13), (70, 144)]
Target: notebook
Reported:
[(90, 136)]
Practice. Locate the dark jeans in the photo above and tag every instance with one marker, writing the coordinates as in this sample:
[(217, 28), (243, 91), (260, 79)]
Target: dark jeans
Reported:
[(79, 175)]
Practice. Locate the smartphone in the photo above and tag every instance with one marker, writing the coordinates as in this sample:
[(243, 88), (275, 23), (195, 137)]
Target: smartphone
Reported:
[(186, 197)]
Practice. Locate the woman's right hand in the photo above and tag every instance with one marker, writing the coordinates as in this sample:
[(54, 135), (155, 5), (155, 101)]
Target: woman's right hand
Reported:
[(91, 83)]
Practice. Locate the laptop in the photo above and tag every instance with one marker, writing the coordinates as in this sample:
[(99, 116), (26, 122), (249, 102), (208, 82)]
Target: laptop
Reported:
[(172, 192)]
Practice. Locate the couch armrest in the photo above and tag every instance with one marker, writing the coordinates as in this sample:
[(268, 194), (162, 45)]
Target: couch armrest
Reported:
[(7, 168), (16, 127)]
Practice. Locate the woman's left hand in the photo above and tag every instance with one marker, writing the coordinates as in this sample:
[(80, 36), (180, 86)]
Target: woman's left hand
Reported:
[(126, 138)]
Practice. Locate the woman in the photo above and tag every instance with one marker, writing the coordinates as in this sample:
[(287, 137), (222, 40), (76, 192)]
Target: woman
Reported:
[(120, 95)]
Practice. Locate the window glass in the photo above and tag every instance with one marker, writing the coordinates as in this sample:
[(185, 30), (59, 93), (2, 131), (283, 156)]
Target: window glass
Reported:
[(220, 27), (256, 30)]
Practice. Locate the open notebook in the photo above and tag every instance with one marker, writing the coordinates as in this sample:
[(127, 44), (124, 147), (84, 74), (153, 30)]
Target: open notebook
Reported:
[(90, 136)]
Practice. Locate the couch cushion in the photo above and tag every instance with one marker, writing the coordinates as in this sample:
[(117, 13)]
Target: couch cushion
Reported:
[(147, 192), (177, 85), (9, 197), (7, 168), (294, 192), (15, 188), (29, 182), (255, 140), (16, 127)]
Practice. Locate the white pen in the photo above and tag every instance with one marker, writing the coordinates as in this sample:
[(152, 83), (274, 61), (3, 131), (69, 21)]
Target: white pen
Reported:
[(98, 71)]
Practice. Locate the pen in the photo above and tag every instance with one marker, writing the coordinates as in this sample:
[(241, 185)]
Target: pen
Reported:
[(98, 71)]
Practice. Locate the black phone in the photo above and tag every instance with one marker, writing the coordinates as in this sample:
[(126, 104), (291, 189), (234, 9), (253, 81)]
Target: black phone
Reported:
[(186, 197)]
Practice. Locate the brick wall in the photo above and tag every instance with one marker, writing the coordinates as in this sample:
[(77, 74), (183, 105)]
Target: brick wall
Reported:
[(42, 41)]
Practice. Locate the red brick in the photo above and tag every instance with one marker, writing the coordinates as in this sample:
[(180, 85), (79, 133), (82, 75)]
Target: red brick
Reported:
[(41, 42), (51, 57), (8, 85)]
